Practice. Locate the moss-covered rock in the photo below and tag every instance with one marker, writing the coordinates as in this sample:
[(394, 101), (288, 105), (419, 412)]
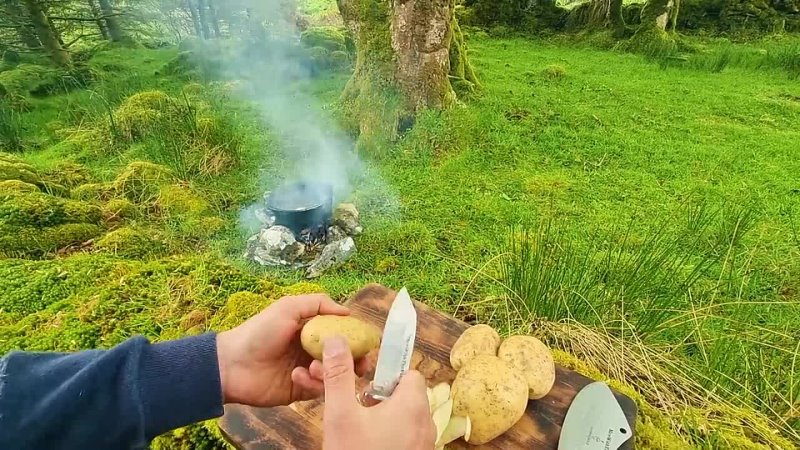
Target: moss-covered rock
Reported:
[(133, 242)]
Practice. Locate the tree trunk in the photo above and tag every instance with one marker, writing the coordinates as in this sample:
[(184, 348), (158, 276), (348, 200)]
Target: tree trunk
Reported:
[(409, 56), (195, 19), (112, 24), (201, 15), (658, 13), (47, 35), (21, 23), (101, 24), (212, 15)]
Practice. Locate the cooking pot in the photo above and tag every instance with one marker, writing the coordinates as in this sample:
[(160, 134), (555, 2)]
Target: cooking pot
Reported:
[(302, 205)]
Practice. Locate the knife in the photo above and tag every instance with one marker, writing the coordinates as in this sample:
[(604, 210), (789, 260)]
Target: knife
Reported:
[(594, 421), (397, 345)]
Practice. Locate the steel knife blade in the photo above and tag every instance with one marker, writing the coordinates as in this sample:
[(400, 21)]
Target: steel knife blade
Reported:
[(594, 421), (397, 345)]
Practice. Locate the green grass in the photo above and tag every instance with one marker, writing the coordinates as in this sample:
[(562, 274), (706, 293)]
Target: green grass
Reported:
[(660, 201)]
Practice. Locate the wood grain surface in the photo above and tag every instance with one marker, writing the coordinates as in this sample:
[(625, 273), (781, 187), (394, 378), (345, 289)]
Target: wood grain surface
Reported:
[(298, 426)]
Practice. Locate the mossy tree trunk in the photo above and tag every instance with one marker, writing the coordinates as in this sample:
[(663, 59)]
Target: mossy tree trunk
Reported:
[(47, 35), (409, 57), (22, 24), (112, 23), (652, 37), (658, 13), (607, 14)]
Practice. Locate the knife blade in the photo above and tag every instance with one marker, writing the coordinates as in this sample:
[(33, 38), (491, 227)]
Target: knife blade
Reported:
[(594, 421), (397, 345)]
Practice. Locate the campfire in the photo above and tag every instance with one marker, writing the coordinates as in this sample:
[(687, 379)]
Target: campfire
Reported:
[(301, 228)]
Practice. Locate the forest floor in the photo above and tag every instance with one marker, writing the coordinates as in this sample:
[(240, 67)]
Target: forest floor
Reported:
[(663, 195)]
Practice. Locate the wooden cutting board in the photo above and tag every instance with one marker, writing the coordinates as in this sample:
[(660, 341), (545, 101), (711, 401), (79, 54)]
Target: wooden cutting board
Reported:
[(299, 426)]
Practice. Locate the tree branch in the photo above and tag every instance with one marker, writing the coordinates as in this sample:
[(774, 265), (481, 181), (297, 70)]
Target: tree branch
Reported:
[(86, 19)]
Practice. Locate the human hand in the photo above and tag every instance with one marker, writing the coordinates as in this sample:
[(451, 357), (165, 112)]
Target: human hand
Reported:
[(262, 362), (403, 422)]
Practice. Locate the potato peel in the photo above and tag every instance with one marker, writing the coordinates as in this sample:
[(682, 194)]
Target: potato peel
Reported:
[(438, 395), (458, 426), (441, 417)]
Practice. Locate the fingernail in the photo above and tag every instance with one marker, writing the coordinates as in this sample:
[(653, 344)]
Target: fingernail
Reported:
[(334, 346)]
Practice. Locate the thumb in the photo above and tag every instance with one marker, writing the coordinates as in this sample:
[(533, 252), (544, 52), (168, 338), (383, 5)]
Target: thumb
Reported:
[(411, 393), (338, 375)]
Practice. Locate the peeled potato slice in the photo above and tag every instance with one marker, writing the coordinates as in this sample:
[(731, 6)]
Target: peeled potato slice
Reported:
[(457, 427), (441, 417), (438, 395)]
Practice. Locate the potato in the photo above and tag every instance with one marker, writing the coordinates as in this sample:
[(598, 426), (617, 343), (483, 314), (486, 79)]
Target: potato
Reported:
[(492, 394), (534, 360), (361, 336), (476, 340)]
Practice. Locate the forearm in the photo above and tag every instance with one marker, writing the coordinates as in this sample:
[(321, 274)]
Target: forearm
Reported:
[(117, 398)]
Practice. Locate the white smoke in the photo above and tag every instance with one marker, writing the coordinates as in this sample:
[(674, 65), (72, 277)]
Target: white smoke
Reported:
[(312, 145)]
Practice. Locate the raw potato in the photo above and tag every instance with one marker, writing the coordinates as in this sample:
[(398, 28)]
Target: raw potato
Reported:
[(531, 357), (361, 336), (492, 394), (476, 340)]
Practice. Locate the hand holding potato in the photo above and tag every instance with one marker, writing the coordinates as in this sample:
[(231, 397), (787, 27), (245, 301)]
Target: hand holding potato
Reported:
[(403, 422), (262, 362)]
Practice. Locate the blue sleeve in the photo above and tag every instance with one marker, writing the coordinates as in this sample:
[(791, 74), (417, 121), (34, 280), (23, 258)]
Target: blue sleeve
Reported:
[(107, 399)]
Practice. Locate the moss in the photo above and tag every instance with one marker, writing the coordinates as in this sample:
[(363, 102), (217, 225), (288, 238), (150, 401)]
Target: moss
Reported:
[(651, 41), (194, 318), (17, 170), (133, 242), (327, 37), (140, 181), (178, 200), (119, 209), (40, 209), (27, 241), (301, 288), (554, 72), (144, 112), (240, 307), (92, 191), (17, 185), (69, 175)]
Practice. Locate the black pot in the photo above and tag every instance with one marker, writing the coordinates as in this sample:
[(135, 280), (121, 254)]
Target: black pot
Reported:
[(302, 206)]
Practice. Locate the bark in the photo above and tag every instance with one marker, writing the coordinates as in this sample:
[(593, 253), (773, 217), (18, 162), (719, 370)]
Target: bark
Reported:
[(101, 24), (212, 14), (22, 24), (409, 56), (48, 36), (112, 23), (658, 13), (201, 15), (195, 19)]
